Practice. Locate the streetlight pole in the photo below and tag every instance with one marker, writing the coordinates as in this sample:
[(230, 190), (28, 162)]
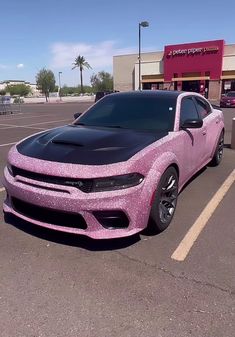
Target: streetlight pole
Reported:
[(60, 72), (141, 24)]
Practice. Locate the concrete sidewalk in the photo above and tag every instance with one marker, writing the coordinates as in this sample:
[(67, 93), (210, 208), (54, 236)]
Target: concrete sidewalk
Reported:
[(66, 99)]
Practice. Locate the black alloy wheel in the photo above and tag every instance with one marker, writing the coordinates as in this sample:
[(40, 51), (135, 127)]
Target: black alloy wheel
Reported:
[(216, 160), (165, 201)]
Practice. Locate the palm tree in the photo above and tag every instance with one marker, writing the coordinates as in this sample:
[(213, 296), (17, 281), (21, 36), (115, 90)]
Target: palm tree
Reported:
[(81, 63)]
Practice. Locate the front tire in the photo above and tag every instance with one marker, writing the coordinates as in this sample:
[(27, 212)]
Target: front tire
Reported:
[(165, 200), (216, 160)]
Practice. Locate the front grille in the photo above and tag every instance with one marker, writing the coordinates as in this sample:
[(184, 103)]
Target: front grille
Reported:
[(49, 216), (85, 185)]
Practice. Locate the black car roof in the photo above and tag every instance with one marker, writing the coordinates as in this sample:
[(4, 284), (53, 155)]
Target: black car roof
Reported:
[(150, 93)]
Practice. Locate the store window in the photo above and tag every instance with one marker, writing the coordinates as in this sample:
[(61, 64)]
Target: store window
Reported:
[(228, 85), (153, 86)]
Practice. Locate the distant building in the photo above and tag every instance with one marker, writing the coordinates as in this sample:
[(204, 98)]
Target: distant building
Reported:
[(33, 87), (207, 67)]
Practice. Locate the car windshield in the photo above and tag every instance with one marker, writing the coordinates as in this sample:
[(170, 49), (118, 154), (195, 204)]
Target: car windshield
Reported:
[(140, 112), (231, 94)]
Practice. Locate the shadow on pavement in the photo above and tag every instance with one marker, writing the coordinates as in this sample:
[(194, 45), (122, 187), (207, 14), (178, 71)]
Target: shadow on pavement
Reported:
[(227, 146), (68, 239), (195, 176)]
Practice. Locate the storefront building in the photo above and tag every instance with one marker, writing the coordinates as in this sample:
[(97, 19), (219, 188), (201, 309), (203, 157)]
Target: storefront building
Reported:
[(206, 67)]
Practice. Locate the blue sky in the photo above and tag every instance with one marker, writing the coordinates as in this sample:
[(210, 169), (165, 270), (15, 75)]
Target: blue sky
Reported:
[(51, 33)]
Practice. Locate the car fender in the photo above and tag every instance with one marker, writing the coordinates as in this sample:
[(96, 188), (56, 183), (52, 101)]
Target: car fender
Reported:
[(156, 171)]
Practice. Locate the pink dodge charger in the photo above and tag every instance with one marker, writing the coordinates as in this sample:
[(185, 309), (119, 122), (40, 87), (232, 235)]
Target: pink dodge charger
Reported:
[(118, 168)]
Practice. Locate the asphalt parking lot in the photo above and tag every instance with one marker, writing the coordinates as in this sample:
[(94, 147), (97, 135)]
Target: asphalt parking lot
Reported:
[(57, 285)]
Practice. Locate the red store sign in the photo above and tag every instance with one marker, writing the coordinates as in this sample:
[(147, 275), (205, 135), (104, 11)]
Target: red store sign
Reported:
[(193, 51), (202, 57)]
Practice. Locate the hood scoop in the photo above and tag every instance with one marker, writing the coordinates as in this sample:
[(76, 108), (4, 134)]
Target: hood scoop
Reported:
[(87, 145), (69, 137), (66, 142)]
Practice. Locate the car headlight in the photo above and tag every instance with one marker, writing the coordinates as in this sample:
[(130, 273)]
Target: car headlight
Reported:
[(117, 182)]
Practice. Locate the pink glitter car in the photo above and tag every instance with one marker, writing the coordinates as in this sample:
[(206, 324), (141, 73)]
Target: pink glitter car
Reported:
[(118, 168)]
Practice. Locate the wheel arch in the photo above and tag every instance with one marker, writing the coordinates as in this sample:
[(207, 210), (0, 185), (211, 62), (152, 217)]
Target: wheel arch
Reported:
[(163, 162), (176, 167), (163, 204), (216, 142)]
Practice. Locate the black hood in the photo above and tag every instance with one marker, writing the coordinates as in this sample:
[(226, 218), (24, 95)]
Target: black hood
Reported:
[(87, 145)]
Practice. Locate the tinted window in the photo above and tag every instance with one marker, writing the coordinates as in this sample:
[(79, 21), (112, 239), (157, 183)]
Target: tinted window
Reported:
[(188, 110), (140, 111), (203, 107)]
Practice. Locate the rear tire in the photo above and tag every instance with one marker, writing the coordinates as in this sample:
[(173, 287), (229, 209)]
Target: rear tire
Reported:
[(165, 201), (216, 160)]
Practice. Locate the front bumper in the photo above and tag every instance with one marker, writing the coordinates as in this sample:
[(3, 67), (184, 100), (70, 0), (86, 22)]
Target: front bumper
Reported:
[(37, 196)]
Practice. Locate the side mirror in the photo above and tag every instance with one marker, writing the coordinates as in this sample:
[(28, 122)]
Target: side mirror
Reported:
[(192, 124), (77, 114)]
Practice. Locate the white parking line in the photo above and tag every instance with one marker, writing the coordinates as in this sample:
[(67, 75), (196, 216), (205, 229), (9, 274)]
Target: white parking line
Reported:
[(26, 117), (2, 189), (186, 244), (10, 126), (6, 126), (56, 121), (1, 145), (32, 125)]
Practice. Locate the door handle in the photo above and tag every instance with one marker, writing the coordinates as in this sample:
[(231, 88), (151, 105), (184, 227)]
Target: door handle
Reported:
[(217, 121), (204, 133)]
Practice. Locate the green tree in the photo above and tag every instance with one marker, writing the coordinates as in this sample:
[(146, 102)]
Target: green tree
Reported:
[(65, 90), (81, 63), (102, 81), (18, 89), (2, 92), (45, 80)]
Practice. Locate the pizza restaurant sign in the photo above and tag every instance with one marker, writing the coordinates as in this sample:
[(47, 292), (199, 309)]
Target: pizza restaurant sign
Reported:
[(193, 51)]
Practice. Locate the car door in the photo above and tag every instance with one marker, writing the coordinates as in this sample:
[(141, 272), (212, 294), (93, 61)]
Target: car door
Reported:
[(194, 140), (210, 123)]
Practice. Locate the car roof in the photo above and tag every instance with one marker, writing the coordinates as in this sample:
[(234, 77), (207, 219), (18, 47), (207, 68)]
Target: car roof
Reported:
[(150, 93)]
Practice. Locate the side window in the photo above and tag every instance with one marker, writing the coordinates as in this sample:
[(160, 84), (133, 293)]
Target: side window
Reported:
[(188, 110), (203, 107)]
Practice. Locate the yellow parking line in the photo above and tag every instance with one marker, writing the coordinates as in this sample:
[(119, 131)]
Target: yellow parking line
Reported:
[(2, 189), (186, 244)]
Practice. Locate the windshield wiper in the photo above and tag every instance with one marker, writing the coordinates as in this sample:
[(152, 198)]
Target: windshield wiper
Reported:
[(114, 126), (101, 126), (79, 124)]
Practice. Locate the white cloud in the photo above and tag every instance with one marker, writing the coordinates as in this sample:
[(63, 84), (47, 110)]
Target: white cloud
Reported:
[(20, 65), (3, 66), (99, 56)]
